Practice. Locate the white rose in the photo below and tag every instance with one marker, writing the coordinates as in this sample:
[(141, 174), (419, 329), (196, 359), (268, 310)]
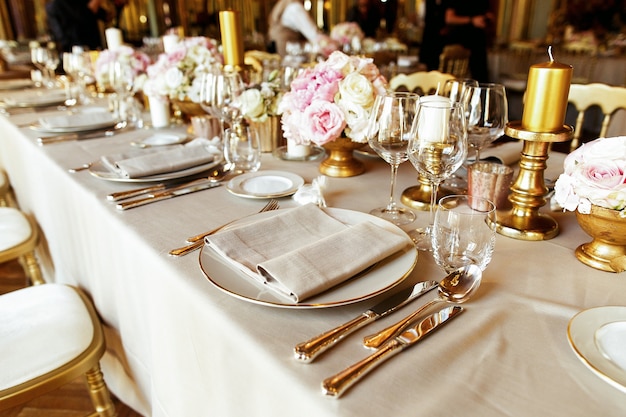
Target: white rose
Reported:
[(356, 89), (174, 78), (356, 119), (252, 103)]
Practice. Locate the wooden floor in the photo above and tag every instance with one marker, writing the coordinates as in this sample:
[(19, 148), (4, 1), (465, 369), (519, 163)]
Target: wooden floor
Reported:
[(71, 400)]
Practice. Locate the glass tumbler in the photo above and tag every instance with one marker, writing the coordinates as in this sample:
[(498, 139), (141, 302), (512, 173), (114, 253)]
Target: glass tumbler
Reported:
[(242, 148)]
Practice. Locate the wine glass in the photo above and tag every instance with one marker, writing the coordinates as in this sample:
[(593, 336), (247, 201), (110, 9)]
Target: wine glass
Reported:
[(52, 63), (220, 94), (121, 77), (486, 111), (455, 88), (464, 232), (437, 148), (77, 65), (388, 134), (39, 57)]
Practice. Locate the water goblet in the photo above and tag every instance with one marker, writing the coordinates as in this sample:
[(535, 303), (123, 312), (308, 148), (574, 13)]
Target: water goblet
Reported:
[(455, 88), (464, 232), (437, 148), (486, 111), (242, 148), (121, 77), (388, 134), (220, 95)]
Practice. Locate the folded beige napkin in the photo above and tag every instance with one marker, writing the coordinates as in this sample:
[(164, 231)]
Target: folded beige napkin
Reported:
[(171, 159), (507, 153), (78, 120), (303, 251)]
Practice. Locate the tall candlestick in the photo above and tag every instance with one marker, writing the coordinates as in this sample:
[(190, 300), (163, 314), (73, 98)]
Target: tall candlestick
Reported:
[(547, 90), (232, 40)]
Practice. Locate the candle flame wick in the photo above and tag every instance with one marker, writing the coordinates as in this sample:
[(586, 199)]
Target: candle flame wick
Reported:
[(550, 53)]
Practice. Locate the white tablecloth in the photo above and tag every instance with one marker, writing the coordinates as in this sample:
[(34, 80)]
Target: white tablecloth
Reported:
[(179, 347)]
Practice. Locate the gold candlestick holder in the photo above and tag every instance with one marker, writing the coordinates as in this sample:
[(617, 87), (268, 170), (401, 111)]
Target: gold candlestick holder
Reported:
[(523, 221)]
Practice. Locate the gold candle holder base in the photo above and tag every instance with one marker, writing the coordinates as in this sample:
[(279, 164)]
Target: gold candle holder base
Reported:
[(523, 221), (418, 196)]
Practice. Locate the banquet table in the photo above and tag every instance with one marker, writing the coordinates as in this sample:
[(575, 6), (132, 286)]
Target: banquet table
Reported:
[(178, 346)]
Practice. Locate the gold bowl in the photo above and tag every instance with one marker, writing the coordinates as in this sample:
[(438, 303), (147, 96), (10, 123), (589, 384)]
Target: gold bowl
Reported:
[(607, 250)]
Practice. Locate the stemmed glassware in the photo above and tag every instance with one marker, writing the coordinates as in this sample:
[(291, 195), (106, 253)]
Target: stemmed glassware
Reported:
[(486, 111), (464, 232), (220, 94), (77, 64), (437, 148), (39, 58), (454, 88), (121, 77), (388, 135)]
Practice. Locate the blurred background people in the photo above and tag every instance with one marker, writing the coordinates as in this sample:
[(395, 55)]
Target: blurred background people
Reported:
[(75, 23), (468, 23), (434, 33), (290, 22), (367, 15)]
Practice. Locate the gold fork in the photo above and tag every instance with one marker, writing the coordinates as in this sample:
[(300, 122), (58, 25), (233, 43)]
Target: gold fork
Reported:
[(197, 241)]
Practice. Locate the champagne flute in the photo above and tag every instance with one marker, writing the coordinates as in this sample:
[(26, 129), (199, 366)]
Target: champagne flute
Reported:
[(121, 77), (486, 111), (437, 148), (388, 135), (39, 57), (51, 64), (464, 232)]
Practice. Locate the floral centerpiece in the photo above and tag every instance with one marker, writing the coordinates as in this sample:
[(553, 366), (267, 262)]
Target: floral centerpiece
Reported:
[(176, 74), (346, 33), (259, 102), (594, 174), (594, 185), (332, 99), (137, 60)]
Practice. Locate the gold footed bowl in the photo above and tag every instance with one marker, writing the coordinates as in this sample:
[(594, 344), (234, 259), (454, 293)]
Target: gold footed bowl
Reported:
[(340, 161), (607, 250), (186, 109)]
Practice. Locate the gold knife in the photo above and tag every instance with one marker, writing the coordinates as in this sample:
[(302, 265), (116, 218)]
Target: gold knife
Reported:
[(167, 194), (337, 384)]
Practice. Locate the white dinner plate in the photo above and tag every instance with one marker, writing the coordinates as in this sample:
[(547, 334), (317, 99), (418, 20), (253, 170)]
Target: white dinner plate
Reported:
[(76, 122), (39, 97), (99, 170), (265, 184), (598, 337), (373, 281), (162, 139)]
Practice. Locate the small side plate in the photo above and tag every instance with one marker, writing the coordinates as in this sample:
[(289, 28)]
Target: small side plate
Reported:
[(265, 184)]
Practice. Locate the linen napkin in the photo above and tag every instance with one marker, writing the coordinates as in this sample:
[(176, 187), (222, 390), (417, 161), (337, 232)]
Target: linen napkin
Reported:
[(301, 252), (171, 159), (78, 120), (507, 153)]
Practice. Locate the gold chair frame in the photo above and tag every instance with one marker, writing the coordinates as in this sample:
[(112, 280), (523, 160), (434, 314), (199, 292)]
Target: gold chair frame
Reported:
[(583, 96), (455, 60), (86, 363), (25, 253), (422, 82)]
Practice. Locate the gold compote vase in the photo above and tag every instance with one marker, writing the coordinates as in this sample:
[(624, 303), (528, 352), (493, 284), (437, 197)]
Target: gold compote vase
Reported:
[(340, 161), (607, 250), (186, 109)]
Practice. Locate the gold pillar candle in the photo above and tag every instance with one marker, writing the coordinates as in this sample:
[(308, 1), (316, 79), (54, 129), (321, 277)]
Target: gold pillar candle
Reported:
[(547, 90), (232, 40)]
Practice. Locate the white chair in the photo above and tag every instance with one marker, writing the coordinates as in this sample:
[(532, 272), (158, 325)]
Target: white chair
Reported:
[(19, 237), (583, 96), (422, 82), (50, 335), (6, 198)]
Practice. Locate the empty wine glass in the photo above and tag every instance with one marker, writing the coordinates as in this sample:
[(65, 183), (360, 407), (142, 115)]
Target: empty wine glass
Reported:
[(464, 232), (437, 148), (39, 57), (388, 134), (77, 65), (486, 111), (121, 77), (455, 88), (220, 94)]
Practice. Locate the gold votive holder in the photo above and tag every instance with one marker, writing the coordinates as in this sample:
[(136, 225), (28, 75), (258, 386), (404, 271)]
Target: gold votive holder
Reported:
[(528, 192)]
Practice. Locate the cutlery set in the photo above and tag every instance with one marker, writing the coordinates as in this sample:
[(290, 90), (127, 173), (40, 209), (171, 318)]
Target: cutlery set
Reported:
[(392, 340)]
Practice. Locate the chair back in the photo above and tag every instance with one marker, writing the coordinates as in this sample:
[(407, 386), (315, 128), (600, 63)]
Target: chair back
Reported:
[(583, 96), (514, 64), (455, 60), (421, 82), (582, 60)]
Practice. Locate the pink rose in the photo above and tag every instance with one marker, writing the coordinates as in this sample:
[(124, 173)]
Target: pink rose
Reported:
[(323, 122)]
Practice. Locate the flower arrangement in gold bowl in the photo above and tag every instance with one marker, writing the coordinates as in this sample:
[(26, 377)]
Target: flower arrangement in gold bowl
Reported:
[(329, 105), (593, 185), (138, 61)]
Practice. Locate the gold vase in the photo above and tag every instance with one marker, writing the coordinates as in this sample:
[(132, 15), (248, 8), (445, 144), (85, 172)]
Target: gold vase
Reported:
[(270, 133), (607, 250), (340, 161), (186, 109)]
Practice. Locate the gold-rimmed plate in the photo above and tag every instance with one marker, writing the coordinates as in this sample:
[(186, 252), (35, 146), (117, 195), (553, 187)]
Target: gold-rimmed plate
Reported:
[(374, 281), (265, 184), (598, 337), (75, 122), (37, 97)]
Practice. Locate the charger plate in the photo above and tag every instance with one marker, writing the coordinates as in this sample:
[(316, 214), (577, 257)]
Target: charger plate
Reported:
[(377, 279), (598, 336)]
